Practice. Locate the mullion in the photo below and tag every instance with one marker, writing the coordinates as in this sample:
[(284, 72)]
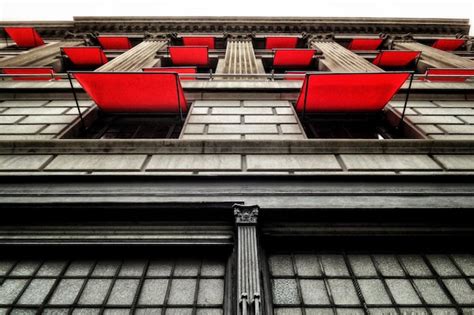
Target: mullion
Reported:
[(356, 284), (463, 274), (413, 284), (385, 285), (83, 286), (441, 283), (27, 284), (168, 288), (140, 286), (7, 274), (298, 284), (54, 287), (326, 284), (109, 291), (196, 288)]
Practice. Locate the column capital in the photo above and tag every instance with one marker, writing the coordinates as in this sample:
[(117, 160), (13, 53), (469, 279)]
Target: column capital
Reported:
[(246, 215)]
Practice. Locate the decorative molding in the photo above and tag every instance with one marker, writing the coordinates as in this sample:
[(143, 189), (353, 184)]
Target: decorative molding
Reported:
[(246, 215)]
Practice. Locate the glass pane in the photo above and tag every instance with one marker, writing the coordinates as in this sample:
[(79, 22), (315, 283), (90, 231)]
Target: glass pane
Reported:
[(415, 265), (182, 291), (281, 265), (334, 265), (374, 291), (79, 268), (460, 289), (403, 292), (106, 268), (123, 292), (132, 268), (25, 268), (211, 291), (67, 291), (308, 265), (388, 265), (10, 289), (314, 292), (214, 268), (188, 268), (362, 265), (285, 291), (36, 291), (343, 292), (51, 268), (431, 291), (443, 265), (466, 263), (95, 291), (160, 268), (287, 311), (153, 291)]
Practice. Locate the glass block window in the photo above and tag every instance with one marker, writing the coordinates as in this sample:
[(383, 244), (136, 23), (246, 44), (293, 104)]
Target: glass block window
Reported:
[(155, 286), (303, 283)]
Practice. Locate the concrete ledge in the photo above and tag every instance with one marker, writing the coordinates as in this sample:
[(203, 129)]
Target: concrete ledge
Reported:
[(312, 146)]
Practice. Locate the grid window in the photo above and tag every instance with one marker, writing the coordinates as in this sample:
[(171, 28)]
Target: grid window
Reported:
[(371, 283), (189, 285)]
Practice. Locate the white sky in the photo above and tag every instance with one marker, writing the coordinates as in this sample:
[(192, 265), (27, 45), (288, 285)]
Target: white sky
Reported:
[(23, 10)]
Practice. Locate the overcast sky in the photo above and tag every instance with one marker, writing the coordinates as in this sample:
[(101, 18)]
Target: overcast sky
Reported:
[(66, 9)]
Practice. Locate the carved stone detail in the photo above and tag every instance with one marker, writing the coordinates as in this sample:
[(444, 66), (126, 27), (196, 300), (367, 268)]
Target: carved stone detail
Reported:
[(245, 214)]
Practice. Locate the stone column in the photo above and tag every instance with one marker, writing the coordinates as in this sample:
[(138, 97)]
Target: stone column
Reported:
[(433, 57), (136, 58), (240, 59), (39, 56), (337, 58), (248, 271)]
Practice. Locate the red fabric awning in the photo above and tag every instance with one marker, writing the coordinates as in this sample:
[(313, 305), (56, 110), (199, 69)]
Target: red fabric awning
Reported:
[(293, 57), (178, 70), (448, 44), (30, 70), (114, 42), (24, 37), (85, 56), (199, 41), (189, 55), (134, 91), (300, 77), (396, 58), (436, 74), (281, 42), (348, 92), (365, 43)]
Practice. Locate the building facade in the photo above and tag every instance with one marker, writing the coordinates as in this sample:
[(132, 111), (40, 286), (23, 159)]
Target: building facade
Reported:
[(264, 165)]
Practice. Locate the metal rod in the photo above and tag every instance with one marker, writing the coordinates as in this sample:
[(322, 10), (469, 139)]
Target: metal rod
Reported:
[(77, 103), (406, 101)]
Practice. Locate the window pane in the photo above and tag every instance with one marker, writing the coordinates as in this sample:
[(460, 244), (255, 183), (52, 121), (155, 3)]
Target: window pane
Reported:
[(67, 291), (403, 292), (285, 291), (362, 265), (123, 292), (95, 291), (314, 292), (153, 291), (374, 292), (182, 291), (334, 265), (308, 265), (343, 292), (211, 291), (36, 291), (281, 265)]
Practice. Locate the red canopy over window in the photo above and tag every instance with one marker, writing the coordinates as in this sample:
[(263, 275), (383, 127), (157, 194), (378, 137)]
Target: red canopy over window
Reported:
[(449, 44), (436, 74), (295, 75), (24, 37), (114, 42), (178, 70), (281, 42), (348, 92), (365, 43), (200, 41), (134, 91), (293, 57), (189, 55), (396, 58), (32, 70), (86, 56)]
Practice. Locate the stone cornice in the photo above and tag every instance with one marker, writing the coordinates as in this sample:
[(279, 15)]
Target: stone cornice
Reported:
[(295, 25)]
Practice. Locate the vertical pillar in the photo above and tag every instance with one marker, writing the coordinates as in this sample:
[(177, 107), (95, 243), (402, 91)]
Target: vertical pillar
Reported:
[(240, 59), (248, 272)]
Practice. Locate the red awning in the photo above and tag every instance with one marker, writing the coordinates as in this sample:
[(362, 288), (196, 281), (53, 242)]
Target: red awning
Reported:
[(178, 70), (189, 55), (134, 91), (114, 42), (24, 37), (31, 70), (295, 75), (436, 74), (365, 43), (200, 41), (348, 92), (448, 44), (293, 57), (281, 42), (85, 56), (396, 58)]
